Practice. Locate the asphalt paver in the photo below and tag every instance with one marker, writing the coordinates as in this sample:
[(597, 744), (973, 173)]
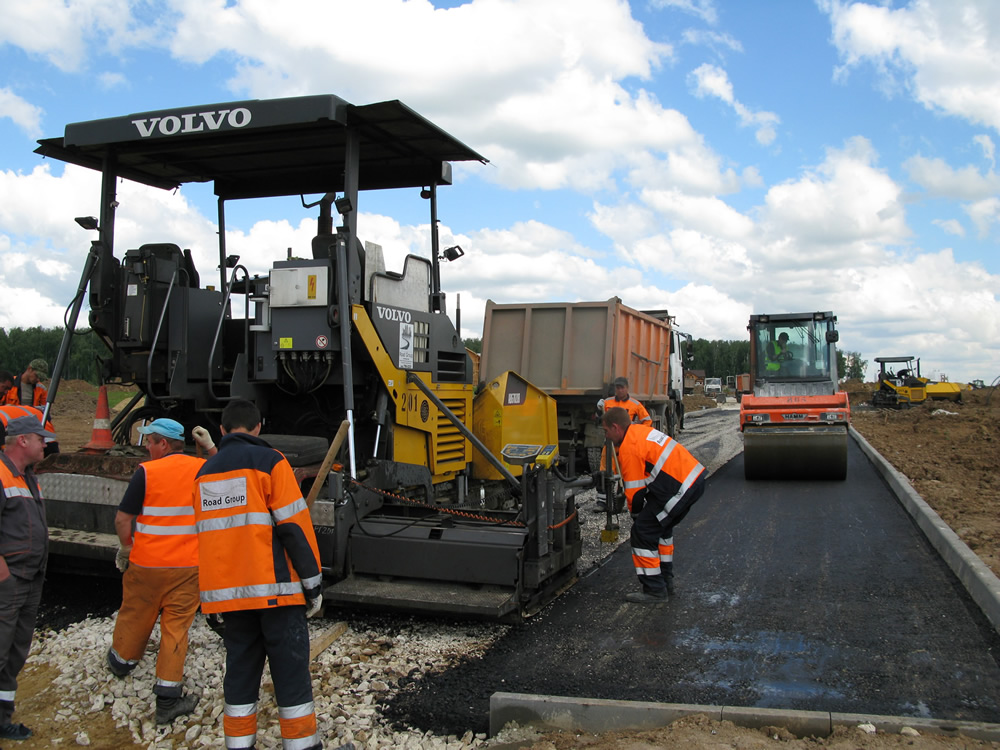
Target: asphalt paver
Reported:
[(807, 595)]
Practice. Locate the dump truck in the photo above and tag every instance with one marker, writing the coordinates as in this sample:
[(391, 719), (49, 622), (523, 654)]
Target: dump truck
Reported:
[(439, 499), (795, 422), (574, 350)]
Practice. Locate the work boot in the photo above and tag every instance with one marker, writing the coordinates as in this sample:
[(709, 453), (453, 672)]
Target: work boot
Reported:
[(600, 506), (642, 597), (168, 709), (10, 731), (117, 668)]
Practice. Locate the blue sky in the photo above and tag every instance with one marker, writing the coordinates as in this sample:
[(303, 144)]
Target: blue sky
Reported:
[(714, 158)]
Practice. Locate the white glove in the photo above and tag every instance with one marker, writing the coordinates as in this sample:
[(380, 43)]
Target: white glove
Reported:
[(313, 605), (600, 406), (121, 559), (202, 438)]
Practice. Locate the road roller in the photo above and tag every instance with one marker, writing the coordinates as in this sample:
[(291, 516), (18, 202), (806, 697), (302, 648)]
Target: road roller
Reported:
[(795, 420)]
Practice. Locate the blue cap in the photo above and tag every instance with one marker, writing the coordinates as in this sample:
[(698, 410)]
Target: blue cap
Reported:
[(168, 428)]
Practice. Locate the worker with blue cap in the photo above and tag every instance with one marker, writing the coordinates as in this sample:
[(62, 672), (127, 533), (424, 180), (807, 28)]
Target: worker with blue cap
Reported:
[(159, 561)]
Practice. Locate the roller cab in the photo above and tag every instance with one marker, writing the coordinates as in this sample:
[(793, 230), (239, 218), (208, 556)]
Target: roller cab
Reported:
[(795, 420)]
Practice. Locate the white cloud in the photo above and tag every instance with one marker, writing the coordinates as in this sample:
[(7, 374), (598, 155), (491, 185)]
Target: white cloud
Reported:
[(703, 9), (711, 80), (939, 179), (984, 214), (60, 31), (943, 51), (845, 211), (951, 226), (986, 144), (24, 114)]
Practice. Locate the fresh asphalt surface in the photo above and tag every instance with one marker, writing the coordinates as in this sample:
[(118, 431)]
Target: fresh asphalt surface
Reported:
[(797, 595)]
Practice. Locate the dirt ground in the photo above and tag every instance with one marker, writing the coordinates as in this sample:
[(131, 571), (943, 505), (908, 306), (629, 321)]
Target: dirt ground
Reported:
[(949, 451)]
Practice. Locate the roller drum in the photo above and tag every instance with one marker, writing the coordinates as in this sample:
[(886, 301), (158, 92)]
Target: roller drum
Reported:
[(795, 452)]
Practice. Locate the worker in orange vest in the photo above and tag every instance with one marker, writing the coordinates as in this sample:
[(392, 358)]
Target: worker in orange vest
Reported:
[(27, 387), (159, 561), (10, 411), (259, 566), (24, 550), (662, 481), (637, 412)]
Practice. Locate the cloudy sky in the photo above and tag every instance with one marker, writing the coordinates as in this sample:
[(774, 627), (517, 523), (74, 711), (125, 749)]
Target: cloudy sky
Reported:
[(716, 158)]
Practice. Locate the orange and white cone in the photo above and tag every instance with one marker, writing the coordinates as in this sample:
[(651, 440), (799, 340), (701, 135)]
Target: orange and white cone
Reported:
[(101, 438)]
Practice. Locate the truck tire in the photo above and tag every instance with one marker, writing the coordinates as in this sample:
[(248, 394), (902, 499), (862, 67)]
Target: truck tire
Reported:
[(594, 459)]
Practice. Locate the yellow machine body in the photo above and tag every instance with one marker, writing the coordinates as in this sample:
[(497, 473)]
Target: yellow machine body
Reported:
[(421, 435), (509, 410)]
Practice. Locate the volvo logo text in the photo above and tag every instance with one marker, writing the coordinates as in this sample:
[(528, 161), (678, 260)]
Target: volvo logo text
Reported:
[(195, 122), (389, 313)]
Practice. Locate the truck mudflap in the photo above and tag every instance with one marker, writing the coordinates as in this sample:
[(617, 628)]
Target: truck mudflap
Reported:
[(800, 452)]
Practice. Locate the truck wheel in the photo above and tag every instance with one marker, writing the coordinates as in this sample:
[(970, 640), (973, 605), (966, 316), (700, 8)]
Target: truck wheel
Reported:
[(594, 459)]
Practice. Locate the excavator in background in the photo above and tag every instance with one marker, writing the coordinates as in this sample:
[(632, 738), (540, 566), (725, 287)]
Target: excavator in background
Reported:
[(441, 499), (795, 421)]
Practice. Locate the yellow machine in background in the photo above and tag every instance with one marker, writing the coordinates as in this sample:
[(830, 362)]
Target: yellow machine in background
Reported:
[(902, 387)]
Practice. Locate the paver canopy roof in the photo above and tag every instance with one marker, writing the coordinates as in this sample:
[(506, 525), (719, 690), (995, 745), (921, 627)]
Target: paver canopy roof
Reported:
[(267, 147)]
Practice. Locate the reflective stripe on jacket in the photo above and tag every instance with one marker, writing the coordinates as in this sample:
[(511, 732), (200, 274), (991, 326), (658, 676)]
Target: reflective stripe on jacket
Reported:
[(256, 543), (636, 411), (165, 534), (24, 532), (13, 411), (653, 463), (39, 394)]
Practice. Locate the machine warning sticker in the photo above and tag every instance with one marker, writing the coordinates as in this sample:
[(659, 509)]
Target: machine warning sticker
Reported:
[(132, 290), (322, 342), (224, 493), (285, 342), (406, 346), (311, 286)]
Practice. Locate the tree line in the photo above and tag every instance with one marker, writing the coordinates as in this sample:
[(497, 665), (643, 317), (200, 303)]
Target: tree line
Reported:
[(18, 346)]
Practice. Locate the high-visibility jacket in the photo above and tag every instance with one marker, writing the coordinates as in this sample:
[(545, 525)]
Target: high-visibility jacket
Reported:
[(39, 394), (635, 410), (13, 411), (774, 350), (165, 534), (654, 463), (256, 543), (24, 532)]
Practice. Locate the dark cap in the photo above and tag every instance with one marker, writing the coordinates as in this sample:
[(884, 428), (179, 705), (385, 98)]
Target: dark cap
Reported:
[(783, 336), (40, 366), (621, 381), (28, 426)]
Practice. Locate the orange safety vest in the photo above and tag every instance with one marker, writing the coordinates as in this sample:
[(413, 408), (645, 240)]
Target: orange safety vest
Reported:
[(636, 411), (13, 396), (255, 534), (13, 411), (165, 534), (672, 469)]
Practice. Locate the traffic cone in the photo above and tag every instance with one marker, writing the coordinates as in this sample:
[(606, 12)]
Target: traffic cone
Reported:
[(101, 439)]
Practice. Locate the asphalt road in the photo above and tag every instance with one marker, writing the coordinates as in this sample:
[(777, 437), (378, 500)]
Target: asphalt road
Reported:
[(798, 595)]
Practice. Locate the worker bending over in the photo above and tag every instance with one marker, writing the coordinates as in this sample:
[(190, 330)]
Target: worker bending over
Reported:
[(662, 481)]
